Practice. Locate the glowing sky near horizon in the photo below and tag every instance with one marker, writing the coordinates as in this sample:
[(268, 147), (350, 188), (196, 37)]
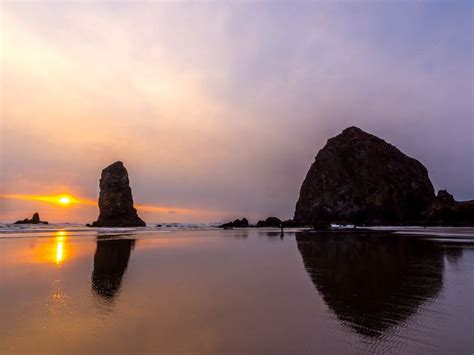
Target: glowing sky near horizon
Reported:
[(218, 110)]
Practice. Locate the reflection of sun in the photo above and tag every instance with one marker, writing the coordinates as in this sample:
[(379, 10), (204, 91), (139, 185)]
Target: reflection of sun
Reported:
[(59, 252), (60, 237), (61, 233), (59, 297)]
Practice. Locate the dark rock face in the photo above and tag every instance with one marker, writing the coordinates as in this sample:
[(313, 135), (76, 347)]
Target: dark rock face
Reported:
[(359, 178), (444, 198), (34, 220), (115, 199), (238, 223), (291, 223), (446, 211), (272, 222)]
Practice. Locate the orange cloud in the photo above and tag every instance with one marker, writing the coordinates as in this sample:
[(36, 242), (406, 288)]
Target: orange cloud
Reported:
[(66, 200), (60, 200)]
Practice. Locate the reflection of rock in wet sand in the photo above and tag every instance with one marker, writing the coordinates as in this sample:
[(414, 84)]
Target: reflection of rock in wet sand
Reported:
[(372, 283), (110, 262)]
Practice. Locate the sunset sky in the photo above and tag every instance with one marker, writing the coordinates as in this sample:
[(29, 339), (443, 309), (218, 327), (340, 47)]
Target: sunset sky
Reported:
[(217, 110)]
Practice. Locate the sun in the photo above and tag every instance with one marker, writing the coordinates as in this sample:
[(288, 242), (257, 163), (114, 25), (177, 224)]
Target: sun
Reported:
[(64, 200)]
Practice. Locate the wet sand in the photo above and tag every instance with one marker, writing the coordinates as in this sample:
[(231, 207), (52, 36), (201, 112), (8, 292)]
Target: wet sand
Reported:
[(236, 291)]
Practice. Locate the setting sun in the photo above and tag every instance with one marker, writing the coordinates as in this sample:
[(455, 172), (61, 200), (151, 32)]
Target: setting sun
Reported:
[(64, 200)]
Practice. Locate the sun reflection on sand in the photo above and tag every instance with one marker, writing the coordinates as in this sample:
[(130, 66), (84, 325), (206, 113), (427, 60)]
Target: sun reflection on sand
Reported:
[(60, 238), (49, 249), (58, 295), (59, 252)]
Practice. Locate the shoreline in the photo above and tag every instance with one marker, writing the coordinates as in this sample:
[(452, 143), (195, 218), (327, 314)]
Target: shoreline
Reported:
[(76, 230)]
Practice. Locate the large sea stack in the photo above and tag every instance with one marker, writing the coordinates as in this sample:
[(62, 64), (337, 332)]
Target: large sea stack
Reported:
[(115, 199), (359, 178)]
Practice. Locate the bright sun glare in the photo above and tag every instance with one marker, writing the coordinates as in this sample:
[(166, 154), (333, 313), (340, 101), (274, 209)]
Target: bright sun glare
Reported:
[(60, 238), (64, 200)]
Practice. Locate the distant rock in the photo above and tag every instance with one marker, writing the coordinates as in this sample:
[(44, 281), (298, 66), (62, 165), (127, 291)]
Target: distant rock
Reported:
[(238, 223), (34, 220), (443, 198), (447, 212), (359, 178), (115, 199), (270, 222)]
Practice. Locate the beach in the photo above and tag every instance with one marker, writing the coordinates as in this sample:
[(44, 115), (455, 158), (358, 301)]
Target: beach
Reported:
[(201, 290)]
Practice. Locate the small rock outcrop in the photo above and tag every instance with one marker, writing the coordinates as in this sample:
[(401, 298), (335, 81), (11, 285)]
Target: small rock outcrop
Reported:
[(290, 223), (359, 178), (34, 220), (238, 223), (270, 222), (115, 199), (446, 211)]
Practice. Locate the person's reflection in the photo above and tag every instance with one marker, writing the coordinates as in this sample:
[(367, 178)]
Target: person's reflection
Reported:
[(372, 283), (271, 234), (110, 262), (453, 254), (238, 234)]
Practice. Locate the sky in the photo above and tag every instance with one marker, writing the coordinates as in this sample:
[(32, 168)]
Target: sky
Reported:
[(218, 109)]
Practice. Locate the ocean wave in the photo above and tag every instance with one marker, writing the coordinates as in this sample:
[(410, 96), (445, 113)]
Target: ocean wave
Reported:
[(8, 230)]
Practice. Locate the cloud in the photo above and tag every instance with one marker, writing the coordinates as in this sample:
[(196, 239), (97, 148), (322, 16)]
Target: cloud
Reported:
[(224, 106)]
